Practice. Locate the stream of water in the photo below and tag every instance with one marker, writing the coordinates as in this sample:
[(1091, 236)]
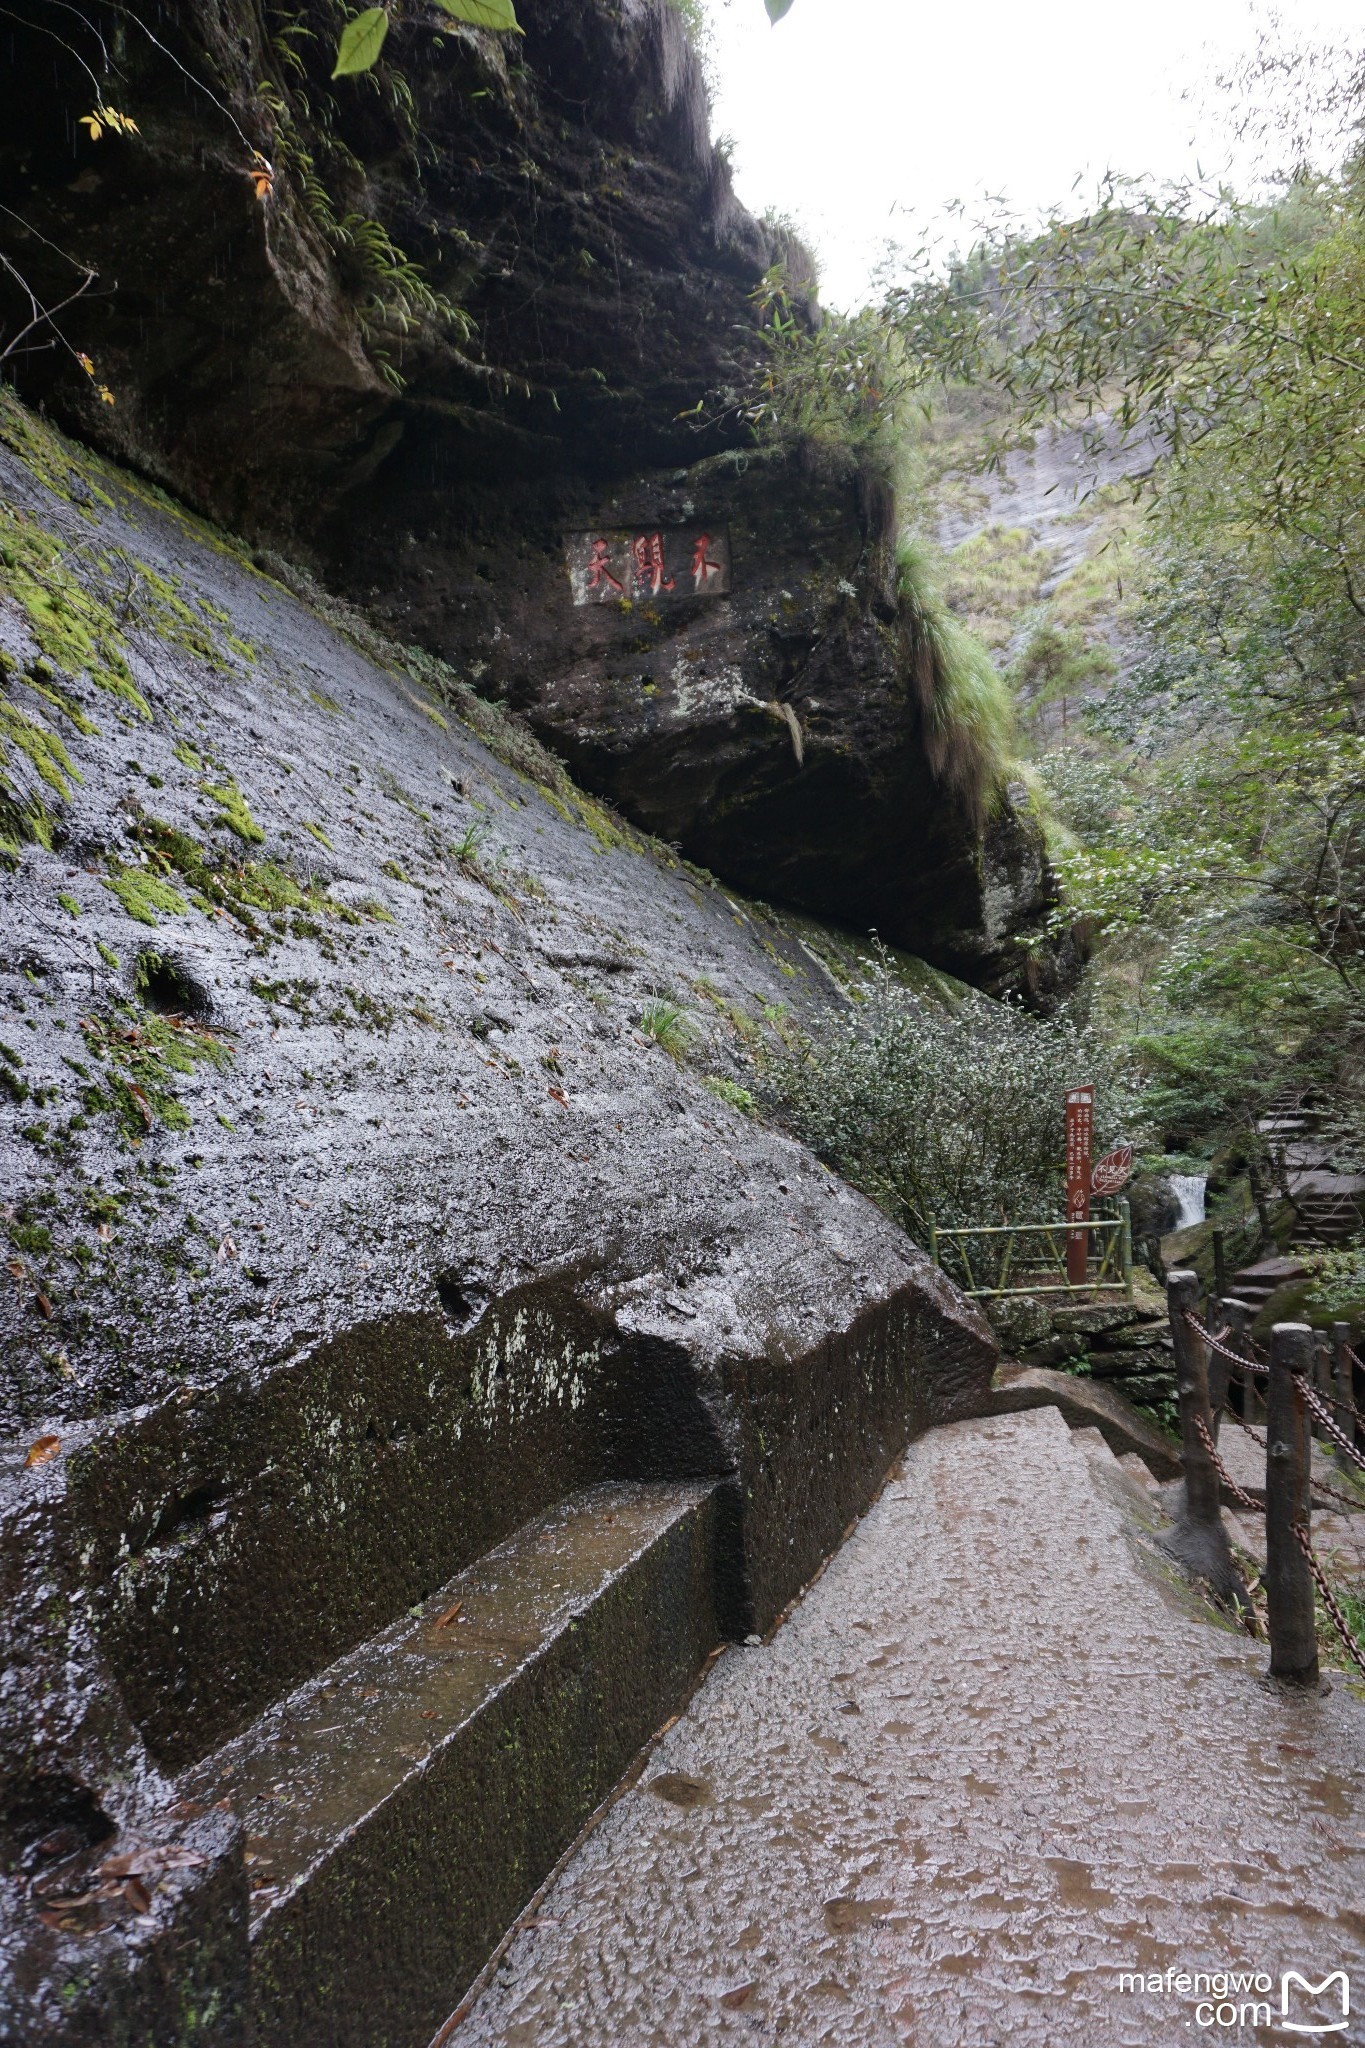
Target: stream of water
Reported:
[(1189, 1192)]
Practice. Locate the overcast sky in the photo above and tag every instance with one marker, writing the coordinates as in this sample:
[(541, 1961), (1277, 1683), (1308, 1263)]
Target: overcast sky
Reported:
[(862, 119)]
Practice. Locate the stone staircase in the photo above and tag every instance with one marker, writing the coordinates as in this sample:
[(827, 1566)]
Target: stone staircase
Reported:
[(1256, 1283)]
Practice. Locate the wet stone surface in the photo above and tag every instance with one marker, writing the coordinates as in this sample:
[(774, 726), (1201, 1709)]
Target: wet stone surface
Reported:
[(997, 1757)]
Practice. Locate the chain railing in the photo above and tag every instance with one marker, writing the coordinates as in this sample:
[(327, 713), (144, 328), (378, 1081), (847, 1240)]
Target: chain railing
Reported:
[(1293, 1571)]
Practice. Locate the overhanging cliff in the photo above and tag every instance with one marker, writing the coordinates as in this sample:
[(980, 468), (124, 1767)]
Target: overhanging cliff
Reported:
[(462, 327)]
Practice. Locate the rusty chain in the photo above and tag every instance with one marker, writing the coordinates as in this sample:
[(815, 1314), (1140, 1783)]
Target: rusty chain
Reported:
[(1318, 1485), (1255, 1365), (1257, 1507), (1251, 1364), (1329, 1599), (1319, 1408), (1329, 1422)]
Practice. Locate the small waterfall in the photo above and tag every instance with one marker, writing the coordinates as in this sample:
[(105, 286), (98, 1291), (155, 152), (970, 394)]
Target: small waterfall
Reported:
[(1189, 1192)]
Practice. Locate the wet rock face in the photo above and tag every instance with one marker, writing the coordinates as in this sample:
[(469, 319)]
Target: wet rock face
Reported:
[(564, 198), (353, 1217)]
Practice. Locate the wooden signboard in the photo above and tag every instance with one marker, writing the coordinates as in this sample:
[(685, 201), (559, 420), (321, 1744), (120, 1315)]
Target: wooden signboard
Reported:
[(647, 565), (1113, 1171), (1080, 1137)]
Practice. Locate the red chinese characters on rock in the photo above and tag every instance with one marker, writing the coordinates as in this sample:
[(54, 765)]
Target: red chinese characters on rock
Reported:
[(647, 552), (599, 570), (703, 568), (648, 565)]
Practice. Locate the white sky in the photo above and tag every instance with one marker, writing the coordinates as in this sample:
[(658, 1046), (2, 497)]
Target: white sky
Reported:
[(864, 119)]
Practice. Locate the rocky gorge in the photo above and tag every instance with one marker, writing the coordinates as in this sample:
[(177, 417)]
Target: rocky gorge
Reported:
[(430, 768)]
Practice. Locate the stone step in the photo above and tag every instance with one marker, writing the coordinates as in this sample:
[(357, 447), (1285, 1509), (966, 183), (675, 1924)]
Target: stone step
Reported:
[(983, 1733), (1085, 1404), (401, 1807)]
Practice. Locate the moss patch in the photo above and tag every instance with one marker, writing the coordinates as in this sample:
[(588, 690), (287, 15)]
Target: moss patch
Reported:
[(139, 1053), (261, 897), (145, 895), (234, 811)]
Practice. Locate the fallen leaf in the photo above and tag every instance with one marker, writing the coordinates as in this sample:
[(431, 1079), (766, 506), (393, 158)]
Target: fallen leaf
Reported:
[(679, 1789), (137, 1895), (736, 2000), (152, 1860), (444, 1620), (227, 1248), (46, 1447), (428, 1713), (16, 1269), (105, 1233), (558, 1095), (44, 1305), (144, 1107), (61, 1921)]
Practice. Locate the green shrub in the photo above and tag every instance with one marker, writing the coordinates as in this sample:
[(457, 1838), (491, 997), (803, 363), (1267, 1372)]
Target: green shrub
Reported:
[(955, 1117)]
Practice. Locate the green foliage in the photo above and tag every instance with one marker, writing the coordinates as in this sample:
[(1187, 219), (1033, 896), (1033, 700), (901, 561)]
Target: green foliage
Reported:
[(959, 1117), (1057, 665), (836, 380), (667, 1023), (499, 15), (361, 41), (742, 1099), (967, 712), (1339, 1283), (363, 37)]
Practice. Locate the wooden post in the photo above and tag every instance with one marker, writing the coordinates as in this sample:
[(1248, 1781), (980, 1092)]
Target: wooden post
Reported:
[(1341, 1363), (1220, 1262), (1237, 1316), (1126, 1245), (1288, 1581), (1203, 1507)]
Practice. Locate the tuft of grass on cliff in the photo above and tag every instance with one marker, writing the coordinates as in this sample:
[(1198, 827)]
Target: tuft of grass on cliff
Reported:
[(966, 705)]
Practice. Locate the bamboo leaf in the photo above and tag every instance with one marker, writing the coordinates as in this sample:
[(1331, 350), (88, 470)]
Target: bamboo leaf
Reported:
[(776, 9)]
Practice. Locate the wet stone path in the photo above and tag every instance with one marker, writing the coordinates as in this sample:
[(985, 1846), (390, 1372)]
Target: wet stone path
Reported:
[(996, 1759)]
